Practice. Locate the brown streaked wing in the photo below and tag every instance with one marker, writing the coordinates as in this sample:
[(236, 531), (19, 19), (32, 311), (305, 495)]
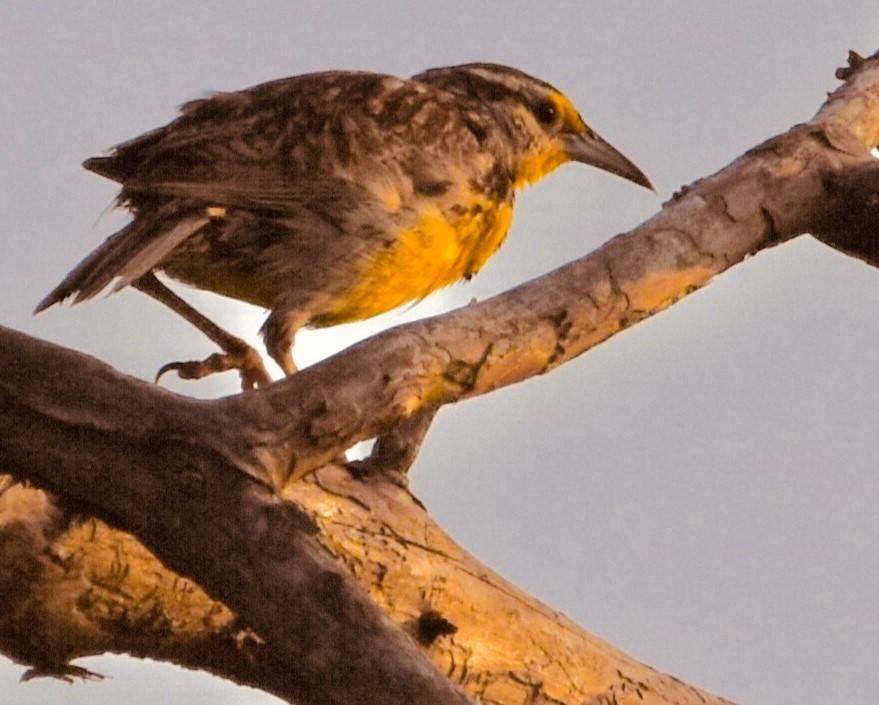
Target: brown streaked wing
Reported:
[(254, 189), (289, 141)]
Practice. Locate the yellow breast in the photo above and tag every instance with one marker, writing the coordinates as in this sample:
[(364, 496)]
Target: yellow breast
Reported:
[(437, 251)]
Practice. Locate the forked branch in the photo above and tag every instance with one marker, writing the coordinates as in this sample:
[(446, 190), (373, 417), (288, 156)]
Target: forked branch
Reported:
[(207, 486)]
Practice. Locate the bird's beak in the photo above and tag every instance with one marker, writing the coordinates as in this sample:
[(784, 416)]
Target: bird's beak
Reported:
[(587, 147)]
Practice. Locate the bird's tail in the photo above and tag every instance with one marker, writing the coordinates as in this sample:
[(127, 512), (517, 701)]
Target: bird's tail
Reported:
[(125, 256)]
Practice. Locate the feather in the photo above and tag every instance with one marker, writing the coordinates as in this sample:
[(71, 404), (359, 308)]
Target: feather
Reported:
[(126, 256)]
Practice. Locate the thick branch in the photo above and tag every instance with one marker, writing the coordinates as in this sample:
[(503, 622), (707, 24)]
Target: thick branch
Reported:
[(503, 646), (205, 519)]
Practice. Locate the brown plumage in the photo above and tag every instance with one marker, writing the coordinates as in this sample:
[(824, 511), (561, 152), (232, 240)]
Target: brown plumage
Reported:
[(331, 197)]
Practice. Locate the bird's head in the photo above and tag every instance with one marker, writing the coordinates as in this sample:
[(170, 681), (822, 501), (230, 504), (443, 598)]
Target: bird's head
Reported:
[(543, 128)]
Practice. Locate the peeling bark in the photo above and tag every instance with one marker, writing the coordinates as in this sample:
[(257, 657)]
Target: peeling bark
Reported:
[(332, 589)]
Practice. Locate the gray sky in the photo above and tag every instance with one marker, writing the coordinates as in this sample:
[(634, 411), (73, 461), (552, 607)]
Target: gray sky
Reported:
[(700, 490)]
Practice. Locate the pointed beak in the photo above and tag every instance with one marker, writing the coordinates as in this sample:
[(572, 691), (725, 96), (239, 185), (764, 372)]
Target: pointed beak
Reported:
[(587, 147)]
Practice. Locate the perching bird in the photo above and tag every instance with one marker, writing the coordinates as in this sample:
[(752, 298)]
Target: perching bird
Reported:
[(331, 197)]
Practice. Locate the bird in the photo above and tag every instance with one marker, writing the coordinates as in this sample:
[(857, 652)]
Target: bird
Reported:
[(330, 197)]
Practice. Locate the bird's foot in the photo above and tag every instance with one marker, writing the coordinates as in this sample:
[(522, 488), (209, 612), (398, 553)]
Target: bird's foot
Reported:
[(239, 357)]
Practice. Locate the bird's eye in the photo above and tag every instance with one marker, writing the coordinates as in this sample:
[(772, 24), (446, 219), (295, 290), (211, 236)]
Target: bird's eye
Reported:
[(545, 112)]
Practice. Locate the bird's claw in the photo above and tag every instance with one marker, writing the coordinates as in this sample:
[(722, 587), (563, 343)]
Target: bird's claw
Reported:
[(246, 360)]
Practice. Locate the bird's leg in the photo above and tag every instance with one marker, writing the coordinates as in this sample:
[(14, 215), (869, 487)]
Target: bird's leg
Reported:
[(236, 355), (395, 451), (278, 331)]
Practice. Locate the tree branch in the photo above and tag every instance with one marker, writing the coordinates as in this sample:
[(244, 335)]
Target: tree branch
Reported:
[(205, 519), (771, 194)]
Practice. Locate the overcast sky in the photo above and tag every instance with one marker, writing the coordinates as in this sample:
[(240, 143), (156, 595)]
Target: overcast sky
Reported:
[(701, 490)]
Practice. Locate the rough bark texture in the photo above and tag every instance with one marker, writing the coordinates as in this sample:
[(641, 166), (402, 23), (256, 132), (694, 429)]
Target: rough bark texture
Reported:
[(210, 487)]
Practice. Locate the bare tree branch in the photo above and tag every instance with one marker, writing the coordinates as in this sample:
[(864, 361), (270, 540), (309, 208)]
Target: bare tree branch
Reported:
[(206, 519), (206, 486), (774, 192)]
